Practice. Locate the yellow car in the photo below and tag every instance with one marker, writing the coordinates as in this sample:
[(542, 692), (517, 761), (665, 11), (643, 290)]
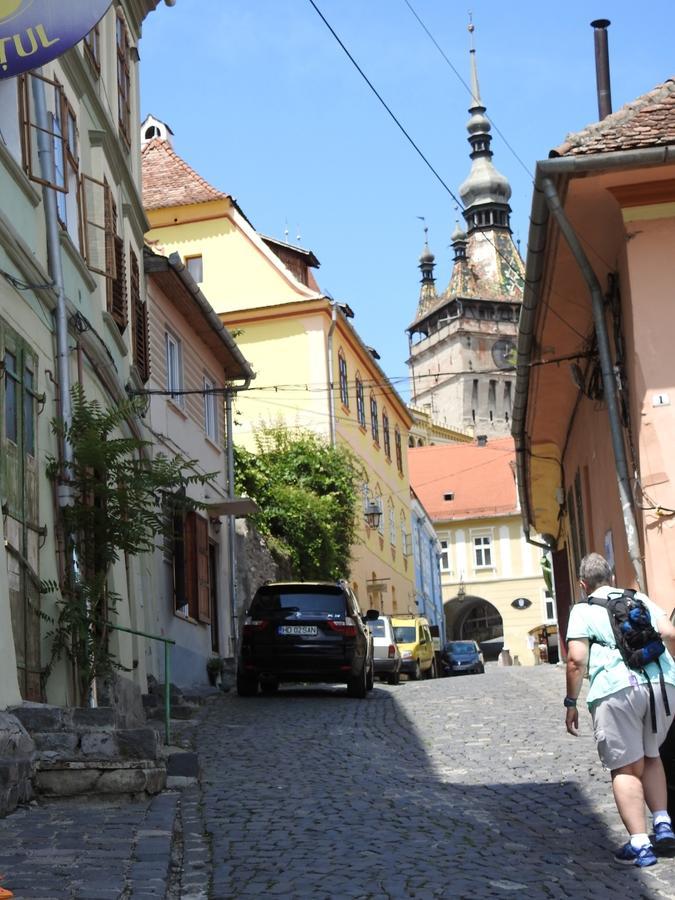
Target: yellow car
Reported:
[(413, 638)]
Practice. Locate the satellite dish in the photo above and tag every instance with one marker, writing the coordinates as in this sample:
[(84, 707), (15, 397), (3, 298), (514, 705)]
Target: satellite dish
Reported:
[(504, 354)]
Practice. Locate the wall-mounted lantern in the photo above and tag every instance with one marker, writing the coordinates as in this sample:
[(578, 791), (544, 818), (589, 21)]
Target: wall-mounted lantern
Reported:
[(372, 514)]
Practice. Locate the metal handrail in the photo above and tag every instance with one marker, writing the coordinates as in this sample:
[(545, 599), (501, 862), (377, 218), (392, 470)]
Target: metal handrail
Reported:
[(167, 672)]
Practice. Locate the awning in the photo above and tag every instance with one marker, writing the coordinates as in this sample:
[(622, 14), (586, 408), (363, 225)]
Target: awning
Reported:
[(235, 506)]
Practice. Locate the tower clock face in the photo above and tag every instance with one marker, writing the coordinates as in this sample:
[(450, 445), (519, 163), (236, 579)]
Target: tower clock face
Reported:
[(504, 353)]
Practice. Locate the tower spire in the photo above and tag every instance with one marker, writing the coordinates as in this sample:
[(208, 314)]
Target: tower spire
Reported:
[(427, 262), (486, 192)]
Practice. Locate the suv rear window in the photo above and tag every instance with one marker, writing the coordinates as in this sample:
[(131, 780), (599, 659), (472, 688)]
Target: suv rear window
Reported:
[(327, 604)]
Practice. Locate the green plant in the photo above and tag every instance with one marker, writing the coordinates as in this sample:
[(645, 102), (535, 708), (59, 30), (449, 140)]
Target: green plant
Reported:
[(120, 496), (307, 492)]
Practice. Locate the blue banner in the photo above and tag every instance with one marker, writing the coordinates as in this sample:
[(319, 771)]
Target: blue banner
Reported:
[(33, 32)]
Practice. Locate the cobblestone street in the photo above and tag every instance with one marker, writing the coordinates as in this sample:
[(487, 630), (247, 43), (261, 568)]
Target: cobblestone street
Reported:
[(465, 787)]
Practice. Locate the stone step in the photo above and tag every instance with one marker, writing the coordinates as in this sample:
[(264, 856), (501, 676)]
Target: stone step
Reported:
[(120, 743), (41, 717), (178, 711), (60, 778)]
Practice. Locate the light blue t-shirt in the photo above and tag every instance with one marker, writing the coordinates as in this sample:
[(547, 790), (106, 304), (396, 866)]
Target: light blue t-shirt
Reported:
[(606, 669)]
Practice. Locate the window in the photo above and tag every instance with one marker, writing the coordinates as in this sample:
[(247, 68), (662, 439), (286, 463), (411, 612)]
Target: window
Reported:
[(210, 410), (549, 607), (139, 312), (385, 434), (397, 448), (47, 128), (11, 395), (482, 551), (374, 423), (344, 387), (360, 403), (174, 368), (508, 403), (92, 49), (99, 218), (10, 131), (405, 538), (380, 527), (195, 266), (392, 526), (492, 399), (123, 80), (188, 554), (445, 555)]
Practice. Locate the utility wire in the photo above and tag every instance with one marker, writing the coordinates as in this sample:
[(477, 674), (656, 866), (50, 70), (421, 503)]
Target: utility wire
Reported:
[(417, 149)]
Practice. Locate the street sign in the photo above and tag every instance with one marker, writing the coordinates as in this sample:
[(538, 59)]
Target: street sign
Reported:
[(33, 32)]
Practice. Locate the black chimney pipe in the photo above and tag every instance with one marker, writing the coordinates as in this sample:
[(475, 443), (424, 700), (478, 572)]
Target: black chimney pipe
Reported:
[(602, 67)]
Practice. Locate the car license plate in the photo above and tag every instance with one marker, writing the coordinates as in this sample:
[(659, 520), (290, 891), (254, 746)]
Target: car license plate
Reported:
[(307, 630)]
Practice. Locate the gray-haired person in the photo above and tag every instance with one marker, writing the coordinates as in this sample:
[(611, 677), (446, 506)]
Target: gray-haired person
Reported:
[(622, 706)]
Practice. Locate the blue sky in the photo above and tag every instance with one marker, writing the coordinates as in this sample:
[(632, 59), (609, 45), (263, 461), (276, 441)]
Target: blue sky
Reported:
[(265, 105)]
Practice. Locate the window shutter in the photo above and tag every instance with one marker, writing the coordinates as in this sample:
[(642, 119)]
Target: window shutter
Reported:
[(118, 293), (198, 588), (139, 321), (33, 132), (203, 582)]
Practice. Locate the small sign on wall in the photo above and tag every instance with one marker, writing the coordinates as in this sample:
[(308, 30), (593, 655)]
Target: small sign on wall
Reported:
[(521, 603)]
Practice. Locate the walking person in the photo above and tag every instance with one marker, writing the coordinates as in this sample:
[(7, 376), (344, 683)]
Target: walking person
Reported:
[(631, 709)]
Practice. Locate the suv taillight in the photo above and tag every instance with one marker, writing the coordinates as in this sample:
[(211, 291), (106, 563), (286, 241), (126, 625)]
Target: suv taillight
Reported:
[(254, 625), (346, 628), (392, 651)]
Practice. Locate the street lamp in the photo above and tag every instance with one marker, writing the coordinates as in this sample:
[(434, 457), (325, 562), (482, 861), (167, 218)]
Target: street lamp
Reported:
[(372, 514)]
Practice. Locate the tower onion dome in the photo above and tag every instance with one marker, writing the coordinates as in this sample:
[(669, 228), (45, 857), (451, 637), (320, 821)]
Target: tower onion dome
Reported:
[(427, 257), (459, 239), (486, 192)]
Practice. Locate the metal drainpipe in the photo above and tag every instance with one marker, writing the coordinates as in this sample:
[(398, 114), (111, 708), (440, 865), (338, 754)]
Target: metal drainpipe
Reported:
[(329, 363), (231, 528), (47, 168), (608, 380)]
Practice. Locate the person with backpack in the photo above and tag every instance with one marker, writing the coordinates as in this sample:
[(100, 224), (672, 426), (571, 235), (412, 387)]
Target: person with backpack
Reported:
[(627, 643)]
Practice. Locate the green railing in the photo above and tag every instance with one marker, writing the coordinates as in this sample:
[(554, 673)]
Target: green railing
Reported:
[(167, 672)]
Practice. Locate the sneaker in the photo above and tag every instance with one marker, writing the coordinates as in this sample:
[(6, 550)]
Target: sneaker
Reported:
[(629, 856), (664, 838)]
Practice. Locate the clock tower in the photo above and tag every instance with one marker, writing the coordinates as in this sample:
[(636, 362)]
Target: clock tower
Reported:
[(462, 341)]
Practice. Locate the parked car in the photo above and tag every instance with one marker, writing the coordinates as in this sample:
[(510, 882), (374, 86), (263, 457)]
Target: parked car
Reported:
[(386, 653), (413, 637), (461, 656), (305, 632)]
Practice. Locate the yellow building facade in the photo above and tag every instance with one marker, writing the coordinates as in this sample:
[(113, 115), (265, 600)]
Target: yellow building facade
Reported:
[(492, 580), (313, 371)]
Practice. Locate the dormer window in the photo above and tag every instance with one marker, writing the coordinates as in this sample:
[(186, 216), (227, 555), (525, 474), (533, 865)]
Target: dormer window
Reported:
[(449, 495)]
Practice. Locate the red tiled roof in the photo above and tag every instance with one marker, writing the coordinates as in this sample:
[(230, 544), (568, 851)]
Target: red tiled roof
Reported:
[(648, 121), (169, 181), (481, 479)]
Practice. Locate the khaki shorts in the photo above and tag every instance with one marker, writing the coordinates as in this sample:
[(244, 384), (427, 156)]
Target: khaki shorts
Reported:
[(622, 724)]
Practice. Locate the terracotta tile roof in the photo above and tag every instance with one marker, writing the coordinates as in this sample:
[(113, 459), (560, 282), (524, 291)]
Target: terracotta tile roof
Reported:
[(481, 479), (648, 121), (169, 181)]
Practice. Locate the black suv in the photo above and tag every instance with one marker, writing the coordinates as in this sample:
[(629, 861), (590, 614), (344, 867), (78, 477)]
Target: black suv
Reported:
[(306, 632)]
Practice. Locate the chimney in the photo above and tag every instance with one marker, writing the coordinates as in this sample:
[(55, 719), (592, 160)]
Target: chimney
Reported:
[(604, 87)]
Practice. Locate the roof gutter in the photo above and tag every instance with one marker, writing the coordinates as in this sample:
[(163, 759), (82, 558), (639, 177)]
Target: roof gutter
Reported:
[(546, 201)]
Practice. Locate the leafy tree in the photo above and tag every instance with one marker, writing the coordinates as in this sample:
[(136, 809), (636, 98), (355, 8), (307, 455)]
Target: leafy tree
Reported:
[(307, 492), (120, 497)]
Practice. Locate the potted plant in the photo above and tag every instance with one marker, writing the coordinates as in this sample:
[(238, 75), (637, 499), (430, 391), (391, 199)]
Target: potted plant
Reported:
[(214, 669)]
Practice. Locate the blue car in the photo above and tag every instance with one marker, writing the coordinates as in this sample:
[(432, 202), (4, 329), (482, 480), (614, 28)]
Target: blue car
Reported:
[(458, 657)]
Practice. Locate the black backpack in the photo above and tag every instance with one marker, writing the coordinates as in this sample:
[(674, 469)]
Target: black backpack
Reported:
[(635, 637)]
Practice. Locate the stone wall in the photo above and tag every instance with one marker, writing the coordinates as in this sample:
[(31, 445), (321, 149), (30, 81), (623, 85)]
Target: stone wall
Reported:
[(17, 752), (255, 565)]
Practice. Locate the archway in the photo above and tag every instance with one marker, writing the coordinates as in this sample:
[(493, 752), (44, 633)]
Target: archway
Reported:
[(471, 618)]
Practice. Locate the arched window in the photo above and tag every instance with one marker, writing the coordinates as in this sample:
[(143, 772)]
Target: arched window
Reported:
[(360, 403), (374, 422), (385, 434)]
